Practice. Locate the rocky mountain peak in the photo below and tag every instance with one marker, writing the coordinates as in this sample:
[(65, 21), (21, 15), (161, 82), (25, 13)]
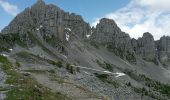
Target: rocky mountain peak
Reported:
[(145, 47), (40, 2), (108, 33), (49, 21), (105, 30), (39, 5), (148, 35), (163, 46), (107, 26), (108, 21)]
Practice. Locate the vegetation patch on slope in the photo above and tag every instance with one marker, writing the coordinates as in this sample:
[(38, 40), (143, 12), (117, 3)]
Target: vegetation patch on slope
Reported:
[(71, 69), (105, 78), (153, 85), (24, 87), (126, 55), (105, 65)]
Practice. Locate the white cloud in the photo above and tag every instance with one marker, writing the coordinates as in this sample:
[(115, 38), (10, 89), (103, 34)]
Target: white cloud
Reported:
[(141, 16), (9, 8), (156, 4)]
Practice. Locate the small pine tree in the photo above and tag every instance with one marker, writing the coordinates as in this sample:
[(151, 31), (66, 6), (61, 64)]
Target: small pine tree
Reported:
[(59, 64), (71, 70), (129, 84), (18, 64), (68, 66)]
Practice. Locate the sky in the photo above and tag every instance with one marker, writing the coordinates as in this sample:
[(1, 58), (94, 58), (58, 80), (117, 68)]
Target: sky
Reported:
[(132, 16)]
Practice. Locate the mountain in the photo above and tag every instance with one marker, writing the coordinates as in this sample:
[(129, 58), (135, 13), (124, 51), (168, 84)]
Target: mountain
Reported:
[(49, 20), (50, 54)]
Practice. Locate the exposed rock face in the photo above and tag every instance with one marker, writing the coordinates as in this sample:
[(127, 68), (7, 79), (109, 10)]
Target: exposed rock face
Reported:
[(49, 20), (134, 43), (145, 47), (51, 24), (163, 46), (108, 33), (105, 31)]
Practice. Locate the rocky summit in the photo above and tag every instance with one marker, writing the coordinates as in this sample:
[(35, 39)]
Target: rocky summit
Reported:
[(49, 20), (50, 54)]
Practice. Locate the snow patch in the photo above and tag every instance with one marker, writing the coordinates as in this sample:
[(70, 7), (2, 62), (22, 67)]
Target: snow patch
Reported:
[(67, 37), (10, 49), (41, 26), (88, 35), (107, 72), (5, 55), (68, 29), (119, 74)]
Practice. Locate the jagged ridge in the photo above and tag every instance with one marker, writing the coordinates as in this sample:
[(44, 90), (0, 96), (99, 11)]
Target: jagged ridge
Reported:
[(50, 22), (52, 42)]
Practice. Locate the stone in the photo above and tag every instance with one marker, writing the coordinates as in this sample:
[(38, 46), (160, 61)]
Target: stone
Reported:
[(163, 46), (146, 47)]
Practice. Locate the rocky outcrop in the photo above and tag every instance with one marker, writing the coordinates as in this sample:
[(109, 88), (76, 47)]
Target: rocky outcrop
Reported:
[(105, 30), (145, 47), (48, 20), (163, 46), (109, 34)]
